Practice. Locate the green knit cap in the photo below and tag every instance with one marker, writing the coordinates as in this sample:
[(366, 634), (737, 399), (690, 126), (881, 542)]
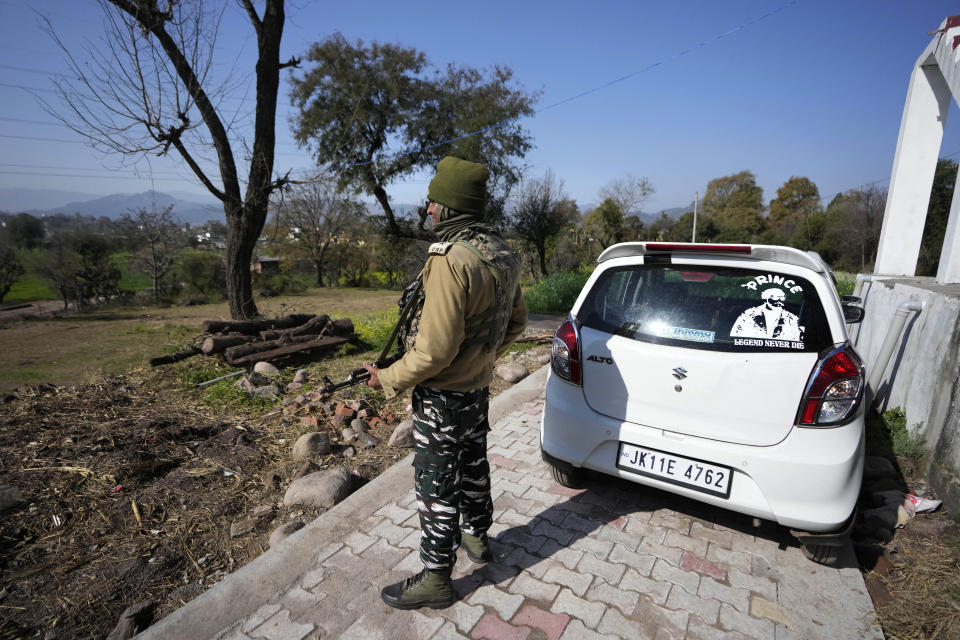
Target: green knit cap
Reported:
[(460, 185)]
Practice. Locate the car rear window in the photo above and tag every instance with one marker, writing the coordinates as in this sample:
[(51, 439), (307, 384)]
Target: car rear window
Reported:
[(712, 308)]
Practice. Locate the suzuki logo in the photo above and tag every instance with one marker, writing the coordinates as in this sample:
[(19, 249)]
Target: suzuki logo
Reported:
[(600, 359), (679, 373)]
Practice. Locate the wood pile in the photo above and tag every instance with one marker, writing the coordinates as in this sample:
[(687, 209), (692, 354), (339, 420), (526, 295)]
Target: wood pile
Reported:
[(280, 341)]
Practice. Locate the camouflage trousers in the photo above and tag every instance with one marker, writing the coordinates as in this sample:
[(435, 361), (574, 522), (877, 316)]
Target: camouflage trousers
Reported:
[(451, 472)]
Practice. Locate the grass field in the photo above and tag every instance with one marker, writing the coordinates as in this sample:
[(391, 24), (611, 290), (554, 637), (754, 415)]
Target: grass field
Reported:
[(66, 350)]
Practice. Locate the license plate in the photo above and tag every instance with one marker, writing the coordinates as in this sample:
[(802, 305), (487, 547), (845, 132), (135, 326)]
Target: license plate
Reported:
[(669, 467)]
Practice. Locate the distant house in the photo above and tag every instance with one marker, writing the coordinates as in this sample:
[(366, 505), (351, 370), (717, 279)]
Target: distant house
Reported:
[(208, 241), (265, 264)]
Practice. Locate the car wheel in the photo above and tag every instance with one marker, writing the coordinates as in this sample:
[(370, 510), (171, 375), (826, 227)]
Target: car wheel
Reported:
[(825, 554), (571, 479)]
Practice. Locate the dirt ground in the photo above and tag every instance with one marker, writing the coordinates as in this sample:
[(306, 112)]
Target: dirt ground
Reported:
[(130, 485), (915, 585)]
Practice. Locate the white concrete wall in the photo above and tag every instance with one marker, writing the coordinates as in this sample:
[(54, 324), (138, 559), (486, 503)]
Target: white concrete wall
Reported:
[(923, 375)]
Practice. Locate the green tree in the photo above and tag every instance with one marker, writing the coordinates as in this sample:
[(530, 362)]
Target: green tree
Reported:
[(376, 114), (201, 271), (733, 204), (150, 88), (738, 224), (789, 221), (737, 190), (10, 269), (542, 210), (660, 229), (606, 223), (25, 231), (938, 212)]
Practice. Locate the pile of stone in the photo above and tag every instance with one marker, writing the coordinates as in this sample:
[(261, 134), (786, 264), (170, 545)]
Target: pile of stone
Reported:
[(335, 429)]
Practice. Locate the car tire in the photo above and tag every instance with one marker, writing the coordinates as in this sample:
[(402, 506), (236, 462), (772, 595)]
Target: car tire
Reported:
[(572, 479), (827, 555)]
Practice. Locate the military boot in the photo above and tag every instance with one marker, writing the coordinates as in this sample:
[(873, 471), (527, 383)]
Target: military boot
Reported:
[(478, 548), (426, 589)]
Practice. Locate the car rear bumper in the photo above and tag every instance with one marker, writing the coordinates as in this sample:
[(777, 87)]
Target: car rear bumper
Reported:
[(810, 480)]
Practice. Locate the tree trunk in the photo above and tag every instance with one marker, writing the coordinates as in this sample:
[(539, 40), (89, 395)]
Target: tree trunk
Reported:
[(381, 197), (319, 265), (542, 253), (242, 237)]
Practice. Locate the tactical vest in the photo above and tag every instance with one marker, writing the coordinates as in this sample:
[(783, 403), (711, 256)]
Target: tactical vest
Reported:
[(489, 326)]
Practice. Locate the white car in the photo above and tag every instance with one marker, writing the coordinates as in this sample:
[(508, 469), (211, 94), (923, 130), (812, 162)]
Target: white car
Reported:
[(719, 372)]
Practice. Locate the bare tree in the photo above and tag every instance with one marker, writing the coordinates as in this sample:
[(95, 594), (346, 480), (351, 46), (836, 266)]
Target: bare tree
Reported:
[(863, 220), (628, 192), (312, 217), (149, 86), (542, 210), (158, 238)]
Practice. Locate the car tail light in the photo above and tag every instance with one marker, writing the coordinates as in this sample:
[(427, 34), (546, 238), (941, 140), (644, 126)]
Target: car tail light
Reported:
[(833, 390), (565, 356)]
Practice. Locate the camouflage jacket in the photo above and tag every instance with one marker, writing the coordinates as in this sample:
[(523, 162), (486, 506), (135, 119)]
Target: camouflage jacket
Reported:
[(469, 312)]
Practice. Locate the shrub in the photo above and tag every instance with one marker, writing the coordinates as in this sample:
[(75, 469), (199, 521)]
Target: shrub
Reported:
[(904, 443), (846, 282), (278, 283), (202, 272), (556, 293), (374, 329)]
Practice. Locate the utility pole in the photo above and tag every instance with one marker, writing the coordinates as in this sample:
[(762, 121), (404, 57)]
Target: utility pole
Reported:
[(696, 204)]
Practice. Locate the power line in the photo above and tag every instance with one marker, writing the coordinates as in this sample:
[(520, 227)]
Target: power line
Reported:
[(582, 94), (28, 89), (27, 70)]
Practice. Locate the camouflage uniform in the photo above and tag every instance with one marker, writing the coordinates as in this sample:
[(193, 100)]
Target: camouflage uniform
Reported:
[(452, 475)]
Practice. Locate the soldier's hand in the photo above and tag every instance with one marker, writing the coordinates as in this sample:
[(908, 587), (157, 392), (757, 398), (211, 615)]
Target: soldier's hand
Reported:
[(374, 380)]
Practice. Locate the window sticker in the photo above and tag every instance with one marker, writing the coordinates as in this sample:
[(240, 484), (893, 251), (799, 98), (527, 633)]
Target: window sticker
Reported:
[(679, 333), (779, 281), (768, 324)]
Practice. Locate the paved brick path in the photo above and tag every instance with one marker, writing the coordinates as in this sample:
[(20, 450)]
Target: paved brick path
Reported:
[(615, 560)]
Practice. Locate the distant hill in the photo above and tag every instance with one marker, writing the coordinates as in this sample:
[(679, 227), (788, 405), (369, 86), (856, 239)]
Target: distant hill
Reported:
[(18, 199), (673, 214), (37, 202)]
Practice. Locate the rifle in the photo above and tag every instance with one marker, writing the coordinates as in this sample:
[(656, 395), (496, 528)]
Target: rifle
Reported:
[(358, 376)]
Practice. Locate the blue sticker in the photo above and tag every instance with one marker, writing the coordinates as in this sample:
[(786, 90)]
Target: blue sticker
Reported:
[(693, 335)]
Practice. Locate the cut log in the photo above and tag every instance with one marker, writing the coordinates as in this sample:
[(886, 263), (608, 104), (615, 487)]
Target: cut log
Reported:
[(253, 327), (314, 326), (313, 349), (341, 327), (219, 343), (239, 351), (175, 357)]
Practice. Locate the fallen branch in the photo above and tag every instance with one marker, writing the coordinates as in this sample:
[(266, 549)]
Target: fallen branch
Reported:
[(175, 357)]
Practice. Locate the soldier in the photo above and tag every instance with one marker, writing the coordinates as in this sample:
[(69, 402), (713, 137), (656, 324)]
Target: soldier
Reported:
[(470, 309)]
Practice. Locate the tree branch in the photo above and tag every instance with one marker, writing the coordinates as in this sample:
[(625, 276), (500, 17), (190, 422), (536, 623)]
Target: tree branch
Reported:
[(252, 13)]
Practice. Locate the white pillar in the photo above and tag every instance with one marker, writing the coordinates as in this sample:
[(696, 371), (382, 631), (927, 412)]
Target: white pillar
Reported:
[(948, 270), (921, 131)]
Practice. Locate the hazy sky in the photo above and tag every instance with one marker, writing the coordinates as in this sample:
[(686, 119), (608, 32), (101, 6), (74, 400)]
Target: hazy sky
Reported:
[(815, 89)]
